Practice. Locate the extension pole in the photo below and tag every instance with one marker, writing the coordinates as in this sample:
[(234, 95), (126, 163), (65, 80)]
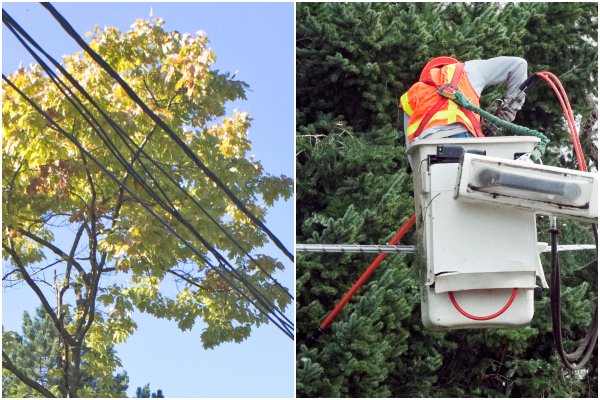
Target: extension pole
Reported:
[(363, 278)]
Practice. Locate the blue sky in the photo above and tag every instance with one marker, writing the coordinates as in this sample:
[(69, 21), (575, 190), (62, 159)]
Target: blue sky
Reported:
[(257, 41)]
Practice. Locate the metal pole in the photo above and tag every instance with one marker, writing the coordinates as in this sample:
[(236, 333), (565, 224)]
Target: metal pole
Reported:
[(354, 248)]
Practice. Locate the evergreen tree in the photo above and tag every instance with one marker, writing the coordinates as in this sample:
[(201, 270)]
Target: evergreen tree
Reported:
[(36, 352), (353, 63), (145, 393)]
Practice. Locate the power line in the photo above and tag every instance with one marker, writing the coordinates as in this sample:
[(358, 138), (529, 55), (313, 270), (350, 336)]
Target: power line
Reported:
[(124, 136), (222, 260), (260, 297), (140, 201), (69, 29), (570, 247)]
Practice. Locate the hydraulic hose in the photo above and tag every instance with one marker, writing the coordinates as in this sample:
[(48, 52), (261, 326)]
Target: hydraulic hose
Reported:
[(537, 152), (577, 359), (559, 90), (580, 357)]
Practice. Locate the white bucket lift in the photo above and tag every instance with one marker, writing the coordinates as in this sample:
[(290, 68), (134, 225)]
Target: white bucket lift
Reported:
[(475, 206)]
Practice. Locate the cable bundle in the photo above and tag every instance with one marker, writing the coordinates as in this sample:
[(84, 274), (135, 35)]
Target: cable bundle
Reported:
[(147, 181), (577, 359)]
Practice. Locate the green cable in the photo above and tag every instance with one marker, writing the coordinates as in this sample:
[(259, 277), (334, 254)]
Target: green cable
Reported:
[(539, 149)]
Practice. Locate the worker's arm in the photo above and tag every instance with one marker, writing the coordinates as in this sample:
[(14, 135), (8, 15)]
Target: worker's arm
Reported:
[(484, 73)]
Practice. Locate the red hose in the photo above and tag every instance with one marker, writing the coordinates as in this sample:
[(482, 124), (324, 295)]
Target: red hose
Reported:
[(561, 94), (487, 317), (368, 272)]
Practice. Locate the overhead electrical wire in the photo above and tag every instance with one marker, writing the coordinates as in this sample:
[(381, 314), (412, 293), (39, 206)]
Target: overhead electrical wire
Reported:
[(257, 294), (141, 181), (376, 248), (14, 25), (69, 29), (123, 134), (80, 147), (354, 248)]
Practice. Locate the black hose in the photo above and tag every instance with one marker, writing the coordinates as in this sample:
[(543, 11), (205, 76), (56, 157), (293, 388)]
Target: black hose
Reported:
[(585, 349), (529, 82)]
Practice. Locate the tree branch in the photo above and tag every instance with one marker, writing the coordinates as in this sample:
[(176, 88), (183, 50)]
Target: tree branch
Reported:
[(93, 217), (120, 197), (11, 186), (7, 364), (50, 247), (191, 280), (70, 261), (38, 291)]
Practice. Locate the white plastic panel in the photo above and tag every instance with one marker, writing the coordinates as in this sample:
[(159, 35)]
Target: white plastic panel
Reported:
[(478, 252), (536, 188), (438, 312), (476, 239)]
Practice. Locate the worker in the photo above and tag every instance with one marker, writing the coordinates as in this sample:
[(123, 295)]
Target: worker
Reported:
[(428, 114)]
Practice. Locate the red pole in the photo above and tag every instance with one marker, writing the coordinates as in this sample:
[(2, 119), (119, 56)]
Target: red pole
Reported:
[(363, 278)]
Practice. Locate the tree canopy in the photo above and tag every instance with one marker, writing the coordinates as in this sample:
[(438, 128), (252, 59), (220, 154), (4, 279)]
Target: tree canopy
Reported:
[(353, 63), (89, 248)]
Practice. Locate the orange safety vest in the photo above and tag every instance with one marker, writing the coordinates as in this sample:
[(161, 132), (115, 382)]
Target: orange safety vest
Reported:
[(426, 108)]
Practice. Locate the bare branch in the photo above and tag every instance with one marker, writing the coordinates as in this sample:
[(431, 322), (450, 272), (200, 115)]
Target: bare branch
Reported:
[(93, 218), (50, 247), (37, 290), (193, 281), (120, 197), (70, 262)]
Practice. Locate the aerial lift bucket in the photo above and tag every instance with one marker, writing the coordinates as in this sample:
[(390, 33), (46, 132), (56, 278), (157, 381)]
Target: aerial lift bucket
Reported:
[(477, 244)]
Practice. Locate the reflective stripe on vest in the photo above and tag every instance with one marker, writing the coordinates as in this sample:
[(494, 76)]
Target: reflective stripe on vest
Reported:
[(418, 100), (406, 104), (450, 116)]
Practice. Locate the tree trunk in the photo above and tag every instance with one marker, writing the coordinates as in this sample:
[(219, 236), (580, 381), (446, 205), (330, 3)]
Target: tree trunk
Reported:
[(74, 371)]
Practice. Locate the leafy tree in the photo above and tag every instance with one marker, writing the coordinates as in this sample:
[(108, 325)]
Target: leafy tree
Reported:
[(118, 258), (353, 63), (144, 393), (35, 352)]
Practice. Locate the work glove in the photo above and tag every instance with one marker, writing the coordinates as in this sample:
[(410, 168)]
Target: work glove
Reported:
[(488, 128), (506, 113)]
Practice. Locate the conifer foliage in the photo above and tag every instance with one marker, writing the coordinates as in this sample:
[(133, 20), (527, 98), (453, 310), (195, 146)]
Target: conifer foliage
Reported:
[(353, 63), (35, 352)]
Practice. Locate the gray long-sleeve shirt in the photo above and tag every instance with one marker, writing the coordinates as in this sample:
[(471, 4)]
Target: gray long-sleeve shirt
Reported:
[(481, 74)]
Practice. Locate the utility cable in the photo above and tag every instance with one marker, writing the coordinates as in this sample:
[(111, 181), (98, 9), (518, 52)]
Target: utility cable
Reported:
[(71, 138), (10, 23), (69, 29), (577, 359), (105, 138)]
